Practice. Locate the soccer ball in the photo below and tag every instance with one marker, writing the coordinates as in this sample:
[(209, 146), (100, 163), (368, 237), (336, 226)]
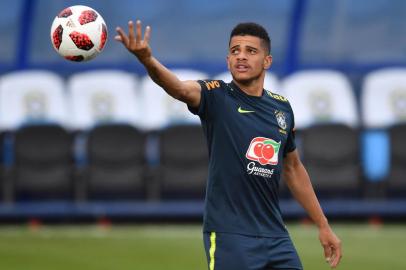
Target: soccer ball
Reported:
[(78, 33)]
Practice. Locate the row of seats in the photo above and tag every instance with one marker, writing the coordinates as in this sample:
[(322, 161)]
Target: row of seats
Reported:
[(113, 166), (131, 140), (92, 97)]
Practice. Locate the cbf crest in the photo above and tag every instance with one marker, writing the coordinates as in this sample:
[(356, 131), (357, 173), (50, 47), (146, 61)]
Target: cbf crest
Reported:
[(281, 119)]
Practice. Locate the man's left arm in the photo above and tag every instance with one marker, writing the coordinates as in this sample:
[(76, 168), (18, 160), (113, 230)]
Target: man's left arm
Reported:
[(298, 181)]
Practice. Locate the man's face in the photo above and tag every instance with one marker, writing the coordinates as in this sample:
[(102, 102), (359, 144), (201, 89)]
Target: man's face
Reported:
[(247, 58)]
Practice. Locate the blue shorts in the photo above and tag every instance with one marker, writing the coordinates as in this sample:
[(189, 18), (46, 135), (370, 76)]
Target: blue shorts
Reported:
[(227, 251)]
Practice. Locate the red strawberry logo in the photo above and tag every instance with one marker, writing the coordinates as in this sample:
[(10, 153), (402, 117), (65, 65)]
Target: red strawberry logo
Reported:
[(263, 150), (268, 151)]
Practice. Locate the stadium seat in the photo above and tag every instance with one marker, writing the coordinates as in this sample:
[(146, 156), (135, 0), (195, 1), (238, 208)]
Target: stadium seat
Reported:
[(271, 82), (43, 163), (397, 174), (103, 96), (327, 124), (116, 163), (38, 149), (182, 154), (321, 96), (105, 107), (32, 97), (386, 128), (2, 165), (184, 162)]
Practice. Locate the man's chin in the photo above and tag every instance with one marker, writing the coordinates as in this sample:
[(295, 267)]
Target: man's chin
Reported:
[(243, 78)]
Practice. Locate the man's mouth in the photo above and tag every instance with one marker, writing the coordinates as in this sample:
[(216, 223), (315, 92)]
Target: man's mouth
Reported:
[(241, 67)]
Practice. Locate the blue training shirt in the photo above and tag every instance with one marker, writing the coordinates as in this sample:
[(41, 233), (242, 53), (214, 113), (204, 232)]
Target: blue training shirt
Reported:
[(247, 137)]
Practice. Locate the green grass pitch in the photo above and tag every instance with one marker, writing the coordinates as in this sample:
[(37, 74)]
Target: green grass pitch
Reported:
[(180, 247)]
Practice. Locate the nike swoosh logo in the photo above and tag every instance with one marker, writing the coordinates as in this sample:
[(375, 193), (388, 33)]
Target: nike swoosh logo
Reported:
[(240, 110)]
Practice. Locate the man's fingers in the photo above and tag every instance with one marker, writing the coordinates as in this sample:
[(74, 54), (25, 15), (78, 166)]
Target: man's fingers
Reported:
[(130, 32), (327, 253), (121, 36), (138, 32), (337, 255), (147, 34)]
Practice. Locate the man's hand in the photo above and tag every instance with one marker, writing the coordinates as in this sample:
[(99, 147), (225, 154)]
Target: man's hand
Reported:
[(331, 245), (134, 43)]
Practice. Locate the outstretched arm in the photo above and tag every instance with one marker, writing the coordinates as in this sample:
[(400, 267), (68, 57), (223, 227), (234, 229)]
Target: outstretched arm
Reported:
[(298, 181), (186, 91)]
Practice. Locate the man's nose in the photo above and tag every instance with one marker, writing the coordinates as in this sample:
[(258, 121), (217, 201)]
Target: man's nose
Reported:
[(242, 56)]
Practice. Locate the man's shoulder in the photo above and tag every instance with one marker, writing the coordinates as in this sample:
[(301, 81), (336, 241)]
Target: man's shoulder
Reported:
[(213, 84), (276, 97), (280, 101)]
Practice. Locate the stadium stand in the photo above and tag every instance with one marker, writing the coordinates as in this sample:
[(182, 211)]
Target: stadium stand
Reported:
[(306, 35), (328, 133)]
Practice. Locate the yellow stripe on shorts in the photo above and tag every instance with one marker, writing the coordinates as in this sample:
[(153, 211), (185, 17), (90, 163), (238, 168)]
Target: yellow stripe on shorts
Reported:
[(212, 249)]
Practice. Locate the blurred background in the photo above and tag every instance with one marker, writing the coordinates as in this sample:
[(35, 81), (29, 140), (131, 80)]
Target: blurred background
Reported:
[(86, 146)]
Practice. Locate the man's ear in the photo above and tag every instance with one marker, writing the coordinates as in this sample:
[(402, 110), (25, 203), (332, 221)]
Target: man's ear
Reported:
[(228, 62), (268, 61)]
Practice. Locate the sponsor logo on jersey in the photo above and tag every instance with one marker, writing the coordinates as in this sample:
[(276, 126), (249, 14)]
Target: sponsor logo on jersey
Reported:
[(241, 110), (259, 171), (212, 84), (263, 150)]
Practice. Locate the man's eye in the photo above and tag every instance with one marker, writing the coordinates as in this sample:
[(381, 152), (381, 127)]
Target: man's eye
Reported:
[(234, 51)]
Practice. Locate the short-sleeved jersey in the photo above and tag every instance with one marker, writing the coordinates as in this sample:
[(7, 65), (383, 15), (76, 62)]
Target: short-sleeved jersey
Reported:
[(247, 137)]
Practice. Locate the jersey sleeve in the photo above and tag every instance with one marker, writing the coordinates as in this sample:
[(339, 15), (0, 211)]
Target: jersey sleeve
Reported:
[(290, 143), (208, 99)]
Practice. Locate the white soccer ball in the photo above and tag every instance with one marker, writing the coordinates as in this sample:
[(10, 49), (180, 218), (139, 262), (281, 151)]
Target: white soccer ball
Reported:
[(78, 33)]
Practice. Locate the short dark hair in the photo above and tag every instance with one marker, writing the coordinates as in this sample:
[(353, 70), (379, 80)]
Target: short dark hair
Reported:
[(252, 29)]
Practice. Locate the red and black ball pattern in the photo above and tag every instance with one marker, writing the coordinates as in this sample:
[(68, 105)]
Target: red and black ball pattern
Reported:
[(75, 58), (57, 36), (65, 13), (103, 37), (82, 41), (87, 16)]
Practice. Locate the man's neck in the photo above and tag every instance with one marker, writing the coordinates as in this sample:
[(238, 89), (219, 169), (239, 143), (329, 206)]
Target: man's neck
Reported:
[(252, 88)]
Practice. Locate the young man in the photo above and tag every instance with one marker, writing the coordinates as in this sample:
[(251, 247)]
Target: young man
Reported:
[(250, 134)]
